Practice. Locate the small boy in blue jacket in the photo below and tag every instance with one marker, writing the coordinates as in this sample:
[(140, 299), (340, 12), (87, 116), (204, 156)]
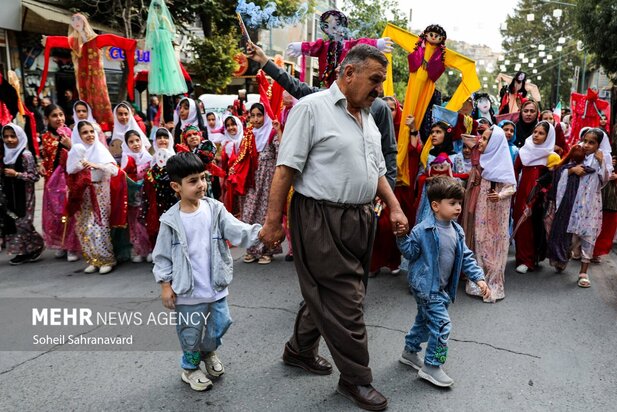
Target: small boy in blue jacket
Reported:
[(437, 255), (193, 264)]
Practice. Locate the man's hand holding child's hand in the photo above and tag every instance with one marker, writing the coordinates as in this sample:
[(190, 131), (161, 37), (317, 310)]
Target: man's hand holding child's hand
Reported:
[(484, 289), (168, 296)]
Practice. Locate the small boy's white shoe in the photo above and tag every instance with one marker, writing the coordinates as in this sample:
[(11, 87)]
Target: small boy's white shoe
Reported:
[(90, 269), (197, 379), (72, 257), (105, 269), (149, 258), (411, 359), (436, 376), (214, 366), (522, 269), (137, 259)]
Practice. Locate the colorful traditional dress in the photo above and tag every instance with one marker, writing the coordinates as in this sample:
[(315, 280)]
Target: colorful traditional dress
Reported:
[(58, 228), (17, 199), (90, 191), (164, 76), (492, 219), (239, 159), (531, 164), (256, 200)]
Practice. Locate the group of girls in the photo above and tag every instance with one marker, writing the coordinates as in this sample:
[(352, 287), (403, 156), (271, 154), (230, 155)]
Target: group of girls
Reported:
[(519, 189), (103, 199)]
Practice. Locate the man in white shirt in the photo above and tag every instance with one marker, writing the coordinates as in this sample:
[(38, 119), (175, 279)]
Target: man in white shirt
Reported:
[(331, 152)]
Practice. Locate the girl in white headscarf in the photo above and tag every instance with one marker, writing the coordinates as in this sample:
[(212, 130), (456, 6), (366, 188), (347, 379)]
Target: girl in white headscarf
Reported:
[(91, 166), (267, 135), (158, 195), (83, 111), (586, 218), (492, 211), (187, 114), (138, 162), (17, 179), (125, 121), (531, 164), (216, 131)]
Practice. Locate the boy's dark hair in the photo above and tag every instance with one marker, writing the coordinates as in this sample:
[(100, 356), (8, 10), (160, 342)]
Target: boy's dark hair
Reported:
[(182, 165), (444, 187)]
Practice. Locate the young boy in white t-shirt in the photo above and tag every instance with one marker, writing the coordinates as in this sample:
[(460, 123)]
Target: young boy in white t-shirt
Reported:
[(193, 264)]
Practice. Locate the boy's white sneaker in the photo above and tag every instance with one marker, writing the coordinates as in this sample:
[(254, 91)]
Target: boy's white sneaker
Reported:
[(197, 379), (149, 258), (522, 269), (436, 376), (412, 359), (72, 257), (214, 366)]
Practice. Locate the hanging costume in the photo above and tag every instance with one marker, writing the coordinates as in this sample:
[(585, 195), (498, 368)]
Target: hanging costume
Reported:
[(86, 50)]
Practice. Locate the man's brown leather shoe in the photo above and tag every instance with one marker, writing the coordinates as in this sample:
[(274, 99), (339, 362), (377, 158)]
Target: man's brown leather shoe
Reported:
[(316, 365), (365, 396)]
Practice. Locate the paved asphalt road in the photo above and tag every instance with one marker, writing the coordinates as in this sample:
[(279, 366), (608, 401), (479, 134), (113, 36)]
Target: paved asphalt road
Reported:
[(548, 346)]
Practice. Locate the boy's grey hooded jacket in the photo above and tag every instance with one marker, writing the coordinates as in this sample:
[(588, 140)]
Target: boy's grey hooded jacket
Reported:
[(171, 258)]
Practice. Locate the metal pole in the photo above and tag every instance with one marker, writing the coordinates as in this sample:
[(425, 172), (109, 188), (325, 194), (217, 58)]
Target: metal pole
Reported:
[(584, 70), (8, 53), (557, 98)]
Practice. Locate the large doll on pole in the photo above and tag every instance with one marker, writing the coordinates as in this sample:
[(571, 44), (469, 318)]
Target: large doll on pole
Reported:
[(165, 76), (428, 59), (331, 52), (86, 50)]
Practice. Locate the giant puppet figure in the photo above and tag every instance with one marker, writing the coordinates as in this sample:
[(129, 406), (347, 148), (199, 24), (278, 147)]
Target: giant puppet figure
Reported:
[(87, 56), (587, 111), (428, 59), (331, 52), (165, 76)]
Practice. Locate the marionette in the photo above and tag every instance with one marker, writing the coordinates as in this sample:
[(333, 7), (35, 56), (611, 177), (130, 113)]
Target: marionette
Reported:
[(165, 76), (428, 60), (514, 95), (483, 108), (332, 51), (87, 53)]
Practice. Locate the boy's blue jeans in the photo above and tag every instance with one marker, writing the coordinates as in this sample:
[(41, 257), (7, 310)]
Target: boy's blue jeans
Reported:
[(200, 329), (432, 324)]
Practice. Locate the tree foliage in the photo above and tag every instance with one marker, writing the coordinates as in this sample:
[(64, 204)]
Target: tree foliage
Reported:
[(597, 20), (368, 18), (214, 74), (522, 36)]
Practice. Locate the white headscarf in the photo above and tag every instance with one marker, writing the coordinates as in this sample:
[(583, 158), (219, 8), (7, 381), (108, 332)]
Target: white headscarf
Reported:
[(215, 134), (140, 158), (94, 153), (231, 141), (496, 160), (192, 117), (11, 155), (532, 154), (97, 128), (170, 149), (120, 129), (604, 147), (262, 135)]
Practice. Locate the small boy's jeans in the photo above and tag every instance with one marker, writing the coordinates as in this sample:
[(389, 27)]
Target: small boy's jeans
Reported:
[(432, 324), (200, 329)]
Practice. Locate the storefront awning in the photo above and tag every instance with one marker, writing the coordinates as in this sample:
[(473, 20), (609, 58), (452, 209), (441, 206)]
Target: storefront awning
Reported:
[(43, 18)]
